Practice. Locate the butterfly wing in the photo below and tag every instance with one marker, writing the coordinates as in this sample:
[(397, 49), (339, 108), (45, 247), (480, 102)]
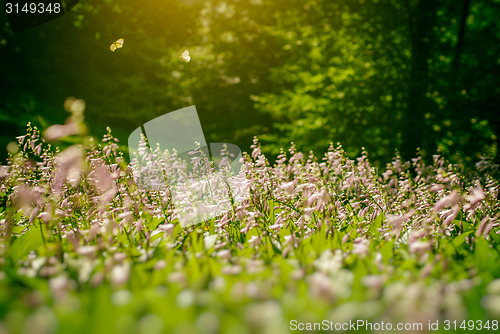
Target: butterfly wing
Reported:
[(117, 45), (185, 56)]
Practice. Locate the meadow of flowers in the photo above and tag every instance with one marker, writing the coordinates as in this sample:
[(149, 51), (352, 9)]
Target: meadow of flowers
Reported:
[(83, 249)]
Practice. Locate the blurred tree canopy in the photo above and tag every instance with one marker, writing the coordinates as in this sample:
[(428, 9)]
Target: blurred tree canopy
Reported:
[(379, 74)]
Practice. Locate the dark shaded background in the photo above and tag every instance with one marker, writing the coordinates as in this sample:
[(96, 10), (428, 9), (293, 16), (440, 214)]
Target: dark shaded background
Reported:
[(379, 74)]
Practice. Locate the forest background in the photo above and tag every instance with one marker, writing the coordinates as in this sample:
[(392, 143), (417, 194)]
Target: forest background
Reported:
[(386, 75)]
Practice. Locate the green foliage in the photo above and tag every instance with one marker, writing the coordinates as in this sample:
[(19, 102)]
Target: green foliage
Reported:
[(309, 241), (383, 75), (28, 241)]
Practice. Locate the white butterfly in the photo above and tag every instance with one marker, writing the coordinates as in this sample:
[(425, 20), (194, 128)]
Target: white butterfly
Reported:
[(117, 45), (185, 56)]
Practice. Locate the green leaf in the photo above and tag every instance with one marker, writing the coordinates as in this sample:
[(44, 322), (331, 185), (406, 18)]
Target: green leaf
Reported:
[(484, 255), (377, 223), (29, 241), (387, 251), (461, 238)]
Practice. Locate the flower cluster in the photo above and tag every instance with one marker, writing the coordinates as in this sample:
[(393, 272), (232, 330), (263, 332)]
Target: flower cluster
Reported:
[(305, 238)]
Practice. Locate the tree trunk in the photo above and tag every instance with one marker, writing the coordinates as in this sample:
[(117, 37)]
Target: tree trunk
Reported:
[(414, 131), (461, 35)]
